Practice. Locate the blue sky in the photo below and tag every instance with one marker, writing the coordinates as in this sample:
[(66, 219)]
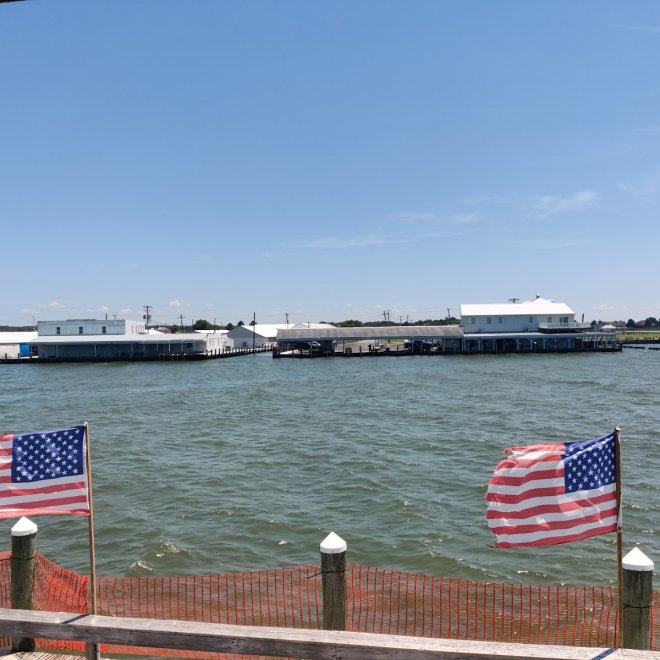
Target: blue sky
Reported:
[(329, 160)]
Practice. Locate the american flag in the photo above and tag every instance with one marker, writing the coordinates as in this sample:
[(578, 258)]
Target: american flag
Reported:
[(44, 472), (553, 493)]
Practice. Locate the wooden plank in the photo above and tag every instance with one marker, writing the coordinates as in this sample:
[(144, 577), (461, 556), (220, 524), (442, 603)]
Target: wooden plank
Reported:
[(287, 642)]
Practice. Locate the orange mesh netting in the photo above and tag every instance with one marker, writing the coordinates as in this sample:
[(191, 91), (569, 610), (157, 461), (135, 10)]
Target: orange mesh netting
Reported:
[(377, 600)]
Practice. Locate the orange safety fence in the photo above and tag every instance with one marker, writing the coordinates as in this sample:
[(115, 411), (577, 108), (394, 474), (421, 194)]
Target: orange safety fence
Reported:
[(377, 600)]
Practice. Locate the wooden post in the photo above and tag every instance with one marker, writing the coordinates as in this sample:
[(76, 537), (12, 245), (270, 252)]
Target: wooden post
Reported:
[(621, 638), (23, 560), (333, 574), (637, 596), (92, 651)]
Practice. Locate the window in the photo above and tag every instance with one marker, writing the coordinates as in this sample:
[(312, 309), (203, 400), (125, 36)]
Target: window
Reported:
[(58, 330), (473, 321), (501, 320), (549, 319), (488, 320), (80, 329), (103, 329), (563, 320), (531, 319)]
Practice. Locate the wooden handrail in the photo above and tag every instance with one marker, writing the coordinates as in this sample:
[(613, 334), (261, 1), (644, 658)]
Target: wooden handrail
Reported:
[(286, 642)]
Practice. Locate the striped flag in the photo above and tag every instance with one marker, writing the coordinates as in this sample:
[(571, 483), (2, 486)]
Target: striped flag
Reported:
[(553, 493), (44, 472)]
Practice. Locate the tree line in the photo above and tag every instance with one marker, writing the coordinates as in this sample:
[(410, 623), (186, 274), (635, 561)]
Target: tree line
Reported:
[(202, 324)]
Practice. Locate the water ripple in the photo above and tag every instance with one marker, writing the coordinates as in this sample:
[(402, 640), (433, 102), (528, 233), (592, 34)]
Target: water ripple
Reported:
[(248, 463)]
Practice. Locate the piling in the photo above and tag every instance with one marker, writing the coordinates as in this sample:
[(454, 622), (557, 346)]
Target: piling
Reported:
[(333, 575), (23, 561), (637, 597)]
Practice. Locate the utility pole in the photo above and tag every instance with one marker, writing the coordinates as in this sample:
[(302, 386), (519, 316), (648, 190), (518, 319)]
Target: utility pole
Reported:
[(254, 325), (514, 300), (448, 313), (286, 315), (181, 317), (147, 314)]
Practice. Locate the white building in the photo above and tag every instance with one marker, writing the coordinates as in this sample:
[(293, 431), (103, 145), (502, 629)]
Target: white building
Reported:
[(77, 327), (538, 315), (91, 339), (265, 334), (15, 344), (261, 334)]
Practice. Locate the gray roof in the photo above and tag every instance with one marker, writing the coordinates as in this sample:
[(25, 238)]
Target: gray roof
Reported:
[(384, 332)]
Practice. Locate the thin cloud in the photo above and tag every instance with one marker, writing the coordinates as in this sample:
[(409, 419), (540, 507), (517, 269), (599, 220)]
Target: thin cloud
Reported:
[(198, 259), (434, 231), (604, 308), (417, 217), (654, 29), (485, 200), (646, 188), (56, 305), (334, 243), (545, 243), (435, 218), (175, 303), (464, 218), (557, 205)]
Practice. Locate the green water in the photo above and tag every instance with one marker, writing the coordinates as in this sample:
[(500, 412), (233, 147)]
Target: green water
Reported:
[(250, 462)]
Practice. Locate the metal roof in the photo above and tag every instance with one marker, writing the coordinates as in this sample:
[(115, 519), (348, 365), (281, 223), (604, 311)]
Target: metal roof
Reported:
[(528, 308), (17, 337), (383, 332)]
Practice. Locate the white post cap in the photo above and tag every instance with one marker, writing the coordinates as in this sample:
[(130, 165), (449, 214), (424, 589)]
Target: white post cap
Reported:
[(24, 527), (636, 560), (333, 544)]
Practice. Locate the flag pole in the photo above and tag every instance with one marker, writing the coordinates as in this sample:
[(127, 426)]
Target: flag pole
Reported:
[(619, 535), (92, 650)]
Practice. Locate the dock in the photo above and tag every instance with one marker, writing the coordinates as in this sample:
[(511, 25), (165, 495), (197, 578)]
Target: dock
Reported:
[(371, 341)]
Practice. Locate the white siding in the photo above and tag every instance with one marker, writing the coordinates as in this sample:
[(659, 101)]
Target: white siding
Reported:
[(77, 327), (514, 317)]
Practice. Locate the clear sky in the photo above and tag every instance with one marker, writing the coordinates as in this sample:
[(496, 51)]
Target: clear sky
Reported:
[(329, 160)]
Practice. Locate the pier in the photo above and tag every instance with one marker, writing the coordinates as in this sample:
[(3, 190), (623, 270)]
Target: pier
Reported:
[(392, 341), (159, 357)]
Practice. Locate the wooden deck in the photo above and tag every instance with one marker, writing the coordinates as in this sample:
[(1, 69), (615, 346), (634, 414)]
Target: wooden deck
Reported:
[(279, 642)]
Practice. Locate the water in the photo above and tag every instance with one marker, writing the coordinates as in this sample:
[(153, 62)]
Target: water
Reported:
[(249, 463)]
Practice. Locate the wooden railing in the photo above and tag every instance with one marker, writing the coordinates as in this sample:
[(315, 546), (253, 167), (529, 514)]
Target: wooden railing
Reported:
[(282, 642)]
